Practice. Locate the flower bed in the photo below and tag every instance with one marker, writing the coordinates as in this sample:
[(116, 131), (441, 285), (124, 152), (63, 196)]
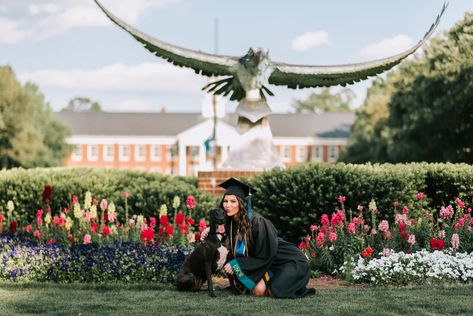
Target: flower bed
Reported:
[(23, 259), (399, 268), (343, 238)]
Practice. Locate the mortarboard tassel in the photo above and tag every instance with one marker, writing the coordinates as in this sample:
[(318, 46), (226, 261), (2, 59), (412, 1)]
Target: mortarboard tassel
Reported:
[(250, 211)]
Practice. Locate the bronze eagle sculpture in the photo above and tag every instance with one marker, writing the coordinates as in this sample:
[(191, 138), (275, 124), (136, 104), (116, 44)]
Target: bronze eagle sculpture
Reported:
[(249, 76)]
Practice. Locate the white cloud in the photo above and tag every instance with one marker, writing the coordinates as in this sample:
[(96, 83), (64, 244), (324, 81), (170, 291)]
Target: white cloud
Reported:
[(387, 47), (49, 8), (9, 32), (146, 77), (310, 40)]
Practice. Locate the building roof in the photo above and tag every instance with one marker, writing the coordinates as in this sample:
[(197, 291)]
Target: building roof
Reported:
[(330, 125)]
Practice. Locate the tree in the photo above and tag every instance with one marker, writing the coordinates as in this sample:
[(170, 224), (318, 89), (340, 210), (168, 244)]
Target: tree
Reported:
[(325, 101), (430, 110), (80, 104), (30, 134)]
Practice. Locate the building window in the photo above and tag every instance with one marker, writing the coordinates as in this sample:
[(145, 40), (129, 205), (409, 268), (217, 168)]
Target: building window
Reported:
[(156, 153), (332, 153), (156, 170), (140, 152), (285, 153), (171, 152), (77, 153), (194, 152), (108, 152), (317, 153), (124, 152), (301, 153), (92, 152)]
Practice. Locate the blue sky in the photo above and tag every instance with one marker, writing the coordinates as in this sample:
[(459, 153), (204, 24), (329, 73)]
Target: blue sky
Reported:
[(70, 49)]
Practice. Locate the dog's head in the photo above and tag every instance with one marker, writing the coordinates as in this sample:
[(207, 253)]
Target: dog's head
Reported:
[(217, 221)]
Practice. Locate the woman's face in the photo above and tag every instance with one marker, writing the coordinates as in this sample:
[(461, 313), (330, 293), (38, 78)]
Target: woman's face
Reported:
[(231, 205)]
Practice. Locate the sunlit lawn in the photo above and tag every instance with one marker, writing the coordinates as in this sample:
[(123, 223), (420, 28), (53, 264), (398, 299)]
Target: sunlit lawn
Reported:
[(147, 299)]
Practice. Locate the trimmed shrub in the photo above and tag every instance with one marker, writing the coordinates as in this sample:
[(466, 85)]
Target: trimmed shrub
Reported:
[(147, 191), (295, 198)]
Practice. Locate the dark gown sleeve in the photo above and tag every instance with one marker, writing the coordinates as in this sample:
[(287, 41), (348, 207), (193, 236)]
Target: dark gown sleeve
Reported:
[(262, 251)]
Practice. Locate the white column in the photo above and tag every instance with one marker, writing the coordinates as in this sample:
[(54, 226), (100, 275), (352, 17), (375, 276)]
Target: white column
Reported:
[(182, 159), (224, 149), (202, 157)]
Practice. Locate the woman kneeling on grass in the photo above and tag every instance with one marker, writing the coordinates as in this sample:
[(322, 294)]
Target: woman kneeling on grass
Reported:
[(260, 262)]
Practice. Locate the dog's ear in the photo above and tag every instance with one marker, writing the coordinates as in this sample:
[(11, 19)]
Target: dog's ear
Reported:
[(212, 221)]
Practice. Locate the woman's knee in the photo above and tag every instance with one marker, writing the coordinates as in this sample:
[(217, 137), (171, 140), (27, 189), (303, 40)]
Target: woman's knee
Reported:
[(260, 289)]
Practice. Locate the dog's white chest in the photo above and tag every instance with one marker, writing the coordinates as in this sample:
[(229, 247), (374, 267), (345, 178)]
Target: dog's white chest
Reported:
[(223, 251)]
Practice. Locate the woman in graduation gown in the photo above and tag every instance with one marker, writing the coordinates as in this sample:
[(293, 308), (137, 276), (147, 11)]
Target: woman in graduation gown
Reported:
[(260, 262)]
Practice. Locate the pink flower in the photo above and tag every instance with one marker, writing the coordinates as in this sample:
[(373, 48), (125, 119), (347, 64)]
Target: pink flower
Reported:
[(405, 210), (126, 194), (28, 228), (1, 218), (460, 203), (420, 196), (313, 227), (455, 241), (396, 204), (103, 205), (386, 252), (461, 222), (383, 226), (190, 202), (411, 239), (351, 228), (95, 202), (320, 239), (341, 199), (152, 222), (442, 234), (202, 225), (87, 239), (332, 237), (360, 208), (184, 229), (52, 241), (324, 220), (37, 234), (303, 245), (446, 212)]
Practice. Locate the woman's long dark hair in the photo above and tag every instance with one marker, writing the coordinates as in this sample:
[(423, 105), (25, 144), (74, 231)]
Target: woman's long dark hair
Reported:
[(243, 228)]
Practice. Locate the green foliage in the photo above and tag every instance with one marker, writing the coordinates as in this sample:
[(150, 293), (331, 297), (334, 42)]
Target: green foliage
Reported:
[(30, 134), (80, 104), (428, 100), (295, 198), (325, 101), (147, 192)]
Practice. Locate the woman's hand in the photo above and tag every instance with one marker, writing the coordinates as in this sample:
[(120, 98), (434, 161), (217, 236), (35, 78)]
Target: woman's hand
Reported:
[(228, 268), (204, 233)]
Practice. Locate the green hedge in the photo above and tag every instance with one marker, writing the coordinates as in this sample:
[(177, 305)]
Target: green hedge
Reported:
[(295, 198), (147, 191)]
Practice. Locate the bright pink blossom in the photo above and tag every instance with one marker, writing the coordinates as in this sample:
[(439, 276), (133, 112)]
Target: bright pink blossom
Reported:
[(455, 241), (383, 226), (332, 237), (324, 220), (460, 203), (313, 227), (190, 202), (37, 234), (202, 225), (420, 196), (152, 222), (103, 204), (341, 199), (411, 239), (351, 228), (320, 239), (87, 239)]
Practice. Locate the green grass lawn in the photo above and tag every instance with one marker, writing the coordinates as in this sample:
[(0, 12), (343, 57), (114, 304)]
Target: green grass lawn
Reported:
[(146, 299)]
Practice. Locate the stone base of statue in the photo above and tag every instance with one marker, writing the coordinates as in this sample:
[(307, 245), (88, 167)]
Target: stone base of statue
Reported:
[(255, 149)]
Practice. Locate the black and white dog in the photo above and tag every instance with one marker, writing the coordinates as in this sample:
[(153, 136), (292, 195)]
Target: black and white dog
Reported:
[(207, 258)]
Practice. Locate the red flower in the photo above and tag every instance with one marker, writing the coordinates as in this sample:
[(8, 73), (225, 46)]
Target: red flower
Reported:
[(1, 218), (303, 245), (403, 235), (440, 244), (402, 226), (93, 227), (52, 241), (179, 218), (106, 231), (409, 251), (169, 231), (367, 252), (184, 229), (47, 193), (105, 217), (163, 220), (437, 244), (197, 237), (190, 202), (147, 234), (13, 227), (190, 221)]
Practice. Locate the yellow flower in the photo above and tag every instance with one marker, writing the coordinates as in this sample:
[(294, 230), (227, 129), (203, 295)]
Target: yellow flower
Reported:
[(47, 218), (163, 210), (139, 220), (114, 230), (10, 206), (88, 200), (69, 223), (176, 202), (93, 211), (77, 211), (111, 207)]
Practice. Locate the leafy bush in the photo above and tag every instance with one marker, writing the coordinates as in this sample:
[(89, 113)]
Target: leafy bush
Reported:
[(147, 192), (295, 198)]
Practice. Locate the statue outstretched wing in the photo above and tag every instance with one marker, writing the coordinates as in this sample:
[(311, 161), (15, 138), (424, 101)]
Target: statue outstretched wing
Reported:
[(302, 76), (201, 63)]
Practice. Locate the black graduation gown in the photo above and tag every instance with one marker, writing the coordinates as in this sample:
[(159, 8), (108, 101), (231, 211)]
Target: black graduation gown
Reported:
[(267, 252)]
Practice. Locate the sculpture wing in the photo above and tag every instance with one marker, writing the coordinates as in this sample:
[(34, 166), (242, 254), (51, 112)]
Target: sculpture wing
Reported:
[(203, 63), (295, 76)]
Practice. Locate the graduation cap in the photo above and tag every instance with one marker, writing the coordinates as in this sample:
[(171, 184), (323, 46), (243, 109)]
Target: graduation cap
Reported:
[(235, 187)]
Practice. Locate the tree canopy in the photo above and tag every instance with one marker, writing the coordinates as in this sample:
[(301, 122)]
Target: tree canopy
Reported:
[(80, 104), (423, 110), (325, 101), (30, 134)]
